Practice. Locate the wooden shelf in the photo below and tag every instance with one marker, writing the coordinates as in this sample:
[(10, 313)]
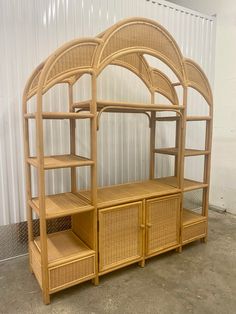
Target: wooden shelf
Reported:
[(190, 217), (61, 161), (61, 205), (189, 185), (101, 104), (170, 118), (198, 118), (60, 115), (129, 192), (187, 152), (64, 246)]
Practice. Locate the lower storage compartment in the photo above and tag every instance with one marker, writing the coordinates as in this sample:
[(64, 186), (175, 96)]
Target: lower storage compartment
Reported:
[(71, 273), (194, 226), (120, 236), (70, 261), (162, 224)]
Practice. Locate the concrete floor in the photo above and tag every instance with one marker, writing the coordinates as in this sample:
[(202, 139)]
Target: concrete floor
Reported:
[(202, 279)]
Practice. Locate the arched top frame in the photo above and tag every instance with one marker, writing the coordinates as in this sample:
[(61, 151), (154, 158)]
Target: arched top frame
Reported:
[(122, 44)]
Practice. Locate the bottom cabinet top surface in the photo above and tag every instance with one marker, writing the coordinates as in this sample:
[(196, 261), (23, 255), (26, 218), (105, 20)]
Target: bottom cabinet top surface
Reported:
[(129, 192), (63, 246)]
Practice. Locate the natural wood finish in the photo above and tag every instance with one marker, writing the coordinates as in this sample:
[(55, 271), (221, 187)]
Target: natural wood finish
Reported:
[(72, 139), (64, 246), (120, 235), (126, 193), (124, 105), (152, 140), (187, 152), (27, 173), (170, 118), (60, 205), (137, 220), (194, 226), (188, 185), (162, 223), (64, 271), (198, 118), (82, 226), (71, 273), (61, 115), (190, 217), (61, 161), (93, 175)]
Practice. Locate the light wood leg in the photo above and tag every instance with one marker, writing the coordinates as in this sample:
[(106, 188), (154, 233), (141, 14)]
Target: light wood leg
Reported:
[(142, 263), (95, 281), (46, 298), (179, 249), (204, 240)]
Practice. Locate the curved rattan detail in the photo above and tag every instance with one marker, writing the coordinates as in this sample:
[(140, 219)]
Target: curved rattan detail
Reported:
[(163, 85), (144, 36), (32, 85), (197, 79), (122, 44), (77, 56), (138, 65)]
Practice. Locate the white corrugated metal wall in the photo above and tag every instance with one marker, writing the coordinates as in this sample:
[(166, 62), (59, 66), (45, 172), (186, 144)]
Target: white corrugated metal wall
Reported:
[(29, 32)]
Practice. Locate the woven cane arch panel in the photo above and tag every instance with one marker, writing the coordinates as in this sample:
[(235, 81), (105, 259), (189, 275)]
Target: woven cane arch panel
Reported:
[(77, 57), (123, 44), (162, 85), (143, 35), (137, 64), (198, 80)]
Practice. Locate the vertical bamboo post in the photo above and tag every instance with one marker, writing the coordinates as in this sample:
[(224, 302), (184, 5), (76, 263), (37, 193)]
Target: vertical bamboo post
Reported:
[(93, 143), (152, 139), (178, 131), (182, 159), (41, 192), (27, 176), (72, 139), (207, 168)]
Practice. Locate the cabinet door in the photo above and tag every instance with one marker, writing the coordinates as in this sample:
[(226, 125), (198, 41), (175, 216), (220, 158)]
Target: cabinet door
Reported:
[(120, 235), (163, 223)]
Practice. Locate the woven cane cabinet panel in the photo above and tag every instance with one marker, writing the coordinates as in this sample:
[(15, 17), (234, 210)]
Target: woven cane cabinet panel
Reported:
[(70, 260), (120, 235), (163, 225), (194, 226), (70, 273)]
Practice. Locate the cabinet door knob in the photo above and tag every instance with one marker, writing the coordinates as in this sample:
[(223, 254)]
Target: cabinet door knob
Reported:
[(142, 226), (149, 225)]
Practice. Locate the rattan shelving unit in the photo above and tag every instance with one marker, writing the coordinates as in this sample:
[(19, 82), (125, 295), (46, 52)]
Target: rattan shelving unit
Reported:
[(117, 225)]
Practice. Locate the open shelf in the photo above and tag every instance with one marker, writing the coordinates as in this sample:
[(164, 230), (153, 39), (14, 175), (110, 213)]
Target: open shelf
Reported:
[(189, 185), (60, 205), (64, 246), (61, 161), (170, 118), (101, 104), (60, 115), (187, 152), (129, 192), (190, 217)]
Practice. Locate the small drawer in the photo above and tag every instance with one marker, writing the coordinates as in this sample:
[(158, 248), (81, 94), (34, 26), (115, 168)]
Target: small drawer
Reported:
[(71, 273), (194, 231)]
